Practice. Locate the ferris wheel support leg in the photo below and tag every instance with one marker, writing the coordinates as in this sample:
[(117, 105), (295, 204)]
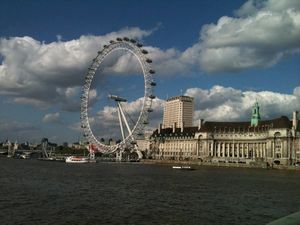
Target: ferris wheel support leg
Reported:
[(121, 124), (124, 118), (119, 155), (44, 149), (92, 155), (139, 153)]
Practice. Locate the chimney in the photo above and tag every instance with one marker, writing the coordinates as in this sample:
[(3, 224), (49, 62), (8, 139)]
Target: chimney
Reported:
[(181, 127), (159, 128), (295, 119), (174, 127), (200, 123)]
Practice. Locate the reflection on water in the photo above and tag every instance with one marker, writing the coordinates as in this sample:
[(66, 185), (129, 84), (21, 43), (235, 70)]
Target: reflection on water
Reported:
[(35, 192)]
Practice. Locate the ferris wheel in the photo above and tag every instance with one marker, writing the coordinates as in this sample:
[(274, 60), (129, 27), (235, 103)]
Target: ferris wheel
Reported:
[(129, 132)]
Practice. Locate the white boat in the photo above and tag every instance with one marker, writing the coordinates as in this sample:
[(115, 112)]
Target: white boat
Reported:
[(77, 159), (183, 168), (24, 156), (176, 167)]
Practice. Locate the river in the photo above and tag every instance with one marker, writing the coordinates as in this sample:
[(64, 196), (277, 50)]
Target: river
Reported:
[(40, 192)]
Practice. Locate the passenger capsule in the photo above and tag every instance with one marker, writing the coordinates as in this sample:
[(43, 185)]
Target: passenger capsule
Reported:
[(111, 41), (144, 51), (148, 60), (126, 39), (119, 39), (153, 83), (152, 71), (152, 96), (133, 41), (139, 45)]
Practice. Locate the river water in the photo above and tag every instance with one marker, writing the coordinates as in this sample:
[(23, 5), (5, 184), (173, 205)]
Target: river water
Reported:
[(38, 192)]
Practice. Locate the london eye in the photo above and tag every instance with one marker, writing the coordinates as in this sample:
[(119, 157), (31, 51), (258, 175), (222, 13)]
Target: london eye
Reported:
[(129, 132)]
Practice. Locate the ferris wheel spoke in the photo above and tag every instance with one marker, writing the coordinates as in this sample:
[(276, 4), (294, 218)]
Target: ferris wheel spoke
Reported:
[(121, 124), (124, 118)]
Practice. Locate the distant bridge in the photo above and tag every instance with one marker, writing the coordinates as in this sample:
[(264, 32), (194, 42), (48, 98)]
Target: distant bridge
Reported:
[(5, 151)]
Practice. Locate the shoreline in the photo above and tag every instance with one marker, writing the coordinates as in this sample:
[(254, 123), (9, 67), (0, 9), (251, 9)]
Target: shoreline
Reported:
[(227, 165), (189, 163)]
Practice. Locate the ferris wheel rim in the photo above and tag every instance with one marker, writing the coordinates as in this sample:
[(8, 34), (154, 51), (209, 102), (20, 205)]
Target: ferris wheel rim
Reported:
[(134, 48)]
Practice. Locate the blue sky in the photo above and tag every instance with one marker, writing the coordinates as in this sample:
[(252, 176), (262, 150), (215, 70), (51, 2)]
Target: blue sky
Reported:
[(226, 54), (43, 20)]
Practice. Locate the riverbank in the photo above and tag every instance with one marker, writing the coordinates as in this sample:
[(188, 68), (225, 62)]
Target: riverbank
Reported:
[(257, 165), (219, 164)]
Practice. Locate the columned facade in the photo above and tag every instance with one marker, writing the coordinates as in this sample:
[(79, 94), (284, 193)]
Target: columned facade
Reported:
[(175, 144), (272, 141)]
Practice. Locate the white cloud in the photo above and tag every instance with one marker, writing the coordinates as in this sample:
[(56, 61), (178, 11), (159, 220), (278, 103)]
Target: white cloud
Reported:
[(297, 92), (215, 104), (51, 74), (251, 7), (260, 36), (52, 118), (15, 126), (169, 62), (229, 104), (106, 124), (15, 130), (46, 74)]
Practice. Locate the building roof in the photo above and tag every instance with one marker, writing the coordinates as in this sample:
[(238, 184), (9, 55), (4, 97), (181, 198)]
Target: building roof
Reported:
[(181, 97), (187, 131), (281, 122), (211, 126)]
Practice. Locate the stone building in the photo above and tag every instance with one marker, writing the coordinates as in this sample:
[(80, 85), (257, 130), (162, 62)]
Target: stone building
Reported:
[(178, 110), (174, 143), (273, 141), (143, 143)]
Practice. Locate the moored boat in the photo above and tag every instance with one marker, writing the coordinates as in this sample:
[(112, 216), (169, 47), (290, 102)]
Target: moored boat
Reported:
[(183, 168), (77, 159)]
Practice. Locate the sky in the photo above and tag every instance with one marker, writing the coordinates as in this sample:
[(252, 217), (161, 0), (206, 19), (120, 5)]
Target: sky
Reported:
[(225, 54)]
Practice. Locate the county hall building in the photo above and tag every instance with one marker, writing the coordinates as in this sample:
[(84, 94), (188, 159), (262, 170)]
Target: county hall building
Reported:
[(268, 141)]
